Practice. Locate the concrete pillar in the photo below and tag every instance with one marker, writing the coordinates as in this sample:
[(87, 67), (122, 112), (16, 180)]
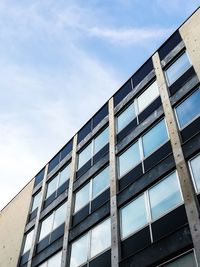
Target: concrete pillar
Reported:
[(115, 238), (37, 222), (189, 196), (69, 205)]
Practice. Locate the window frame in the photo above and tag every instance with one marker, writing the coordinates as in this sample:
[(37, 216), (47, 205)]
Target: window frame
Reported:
[(24, 241), (58, 177), (92, 142), (150, 220), (90, 182), (32, 200), (179, 256), (134, 102), (175, 112), (141, 151), (172, 62), (89, 243), (191, 173), (52, 223)]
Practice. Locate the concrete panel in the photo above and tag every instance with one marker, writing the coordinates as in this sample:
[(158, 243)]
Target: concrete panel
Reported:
[(190, 33), (12, 223)]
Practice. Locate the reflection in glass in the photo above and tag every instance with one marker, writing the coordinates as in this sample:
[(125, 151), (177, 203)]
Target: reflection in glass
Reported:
[(59, 216), (52, 186), (84, 155), (147, 97), (133, 216), (125, 117), (100, 182), (188, 109), (64, 175), (164, 196), (46, 227), (101, 140), (55, 261), (154, 138), (36, 201), (187, 260), (195, 167), (82, 197), (79, 251), (129, 159), (28, 242), (100, 238), (177, 69)]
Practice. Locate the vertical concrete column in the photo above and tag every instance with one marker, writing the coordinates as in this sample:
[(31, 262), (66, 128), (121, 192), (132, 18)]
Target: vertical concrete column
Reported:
[(190, 33), (189, 196), (69, 205), (36, 229), (115, 239)]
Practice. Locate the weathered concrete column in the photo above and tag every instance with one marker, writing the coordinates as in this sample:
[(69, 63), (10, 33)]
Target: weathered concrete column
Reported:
[(68, 219), (190, 33), (189, 196), (36, 228), (115, 239)]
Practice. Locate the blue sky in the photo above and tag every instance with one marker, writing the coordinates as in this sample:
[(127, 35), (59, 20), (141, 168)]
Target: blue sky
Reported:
[(59, 62)]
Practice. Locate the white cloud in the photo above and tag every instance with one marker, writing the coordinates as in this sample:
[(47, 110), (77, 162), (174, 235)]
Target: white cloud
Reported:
[(128, 36)]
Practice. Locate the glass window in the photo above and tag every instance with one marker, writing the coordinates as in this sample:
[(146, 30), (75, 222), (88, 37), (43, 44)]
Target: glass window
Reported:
[(64, 175), (125, 117), (46, 227), (100, 238), (55, 219), (155, 137), (79, 251), (133, 216), (147, 97), (55, 260), (100, 182), (36, 201), (101, 140), (59, 216), (164, 196), (129, 159), (177, 69), (188, 109), (84, 155), (28, 242), (82, 197), (52, 186), (195, 169), (187, 260)]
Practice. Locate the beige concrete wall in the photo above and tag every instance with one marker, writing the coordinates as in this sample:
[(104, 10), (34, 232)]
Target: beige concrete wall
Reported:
[(12, 222), (190, 32)]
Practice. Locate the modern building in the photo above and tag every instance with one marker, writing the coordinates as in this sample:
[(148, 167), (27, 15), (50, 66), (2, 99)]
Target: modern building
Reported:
[(124, 191)]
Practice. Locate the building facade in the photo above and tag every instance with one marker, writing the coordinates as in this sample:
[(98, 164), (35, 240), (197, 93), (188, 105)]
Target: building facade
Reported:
[(124, 191)]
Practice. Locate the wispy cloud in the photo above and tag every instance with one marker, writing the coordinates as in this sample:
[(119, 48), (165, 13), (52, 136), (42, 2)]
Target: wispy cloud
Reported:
[(128, 36)]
